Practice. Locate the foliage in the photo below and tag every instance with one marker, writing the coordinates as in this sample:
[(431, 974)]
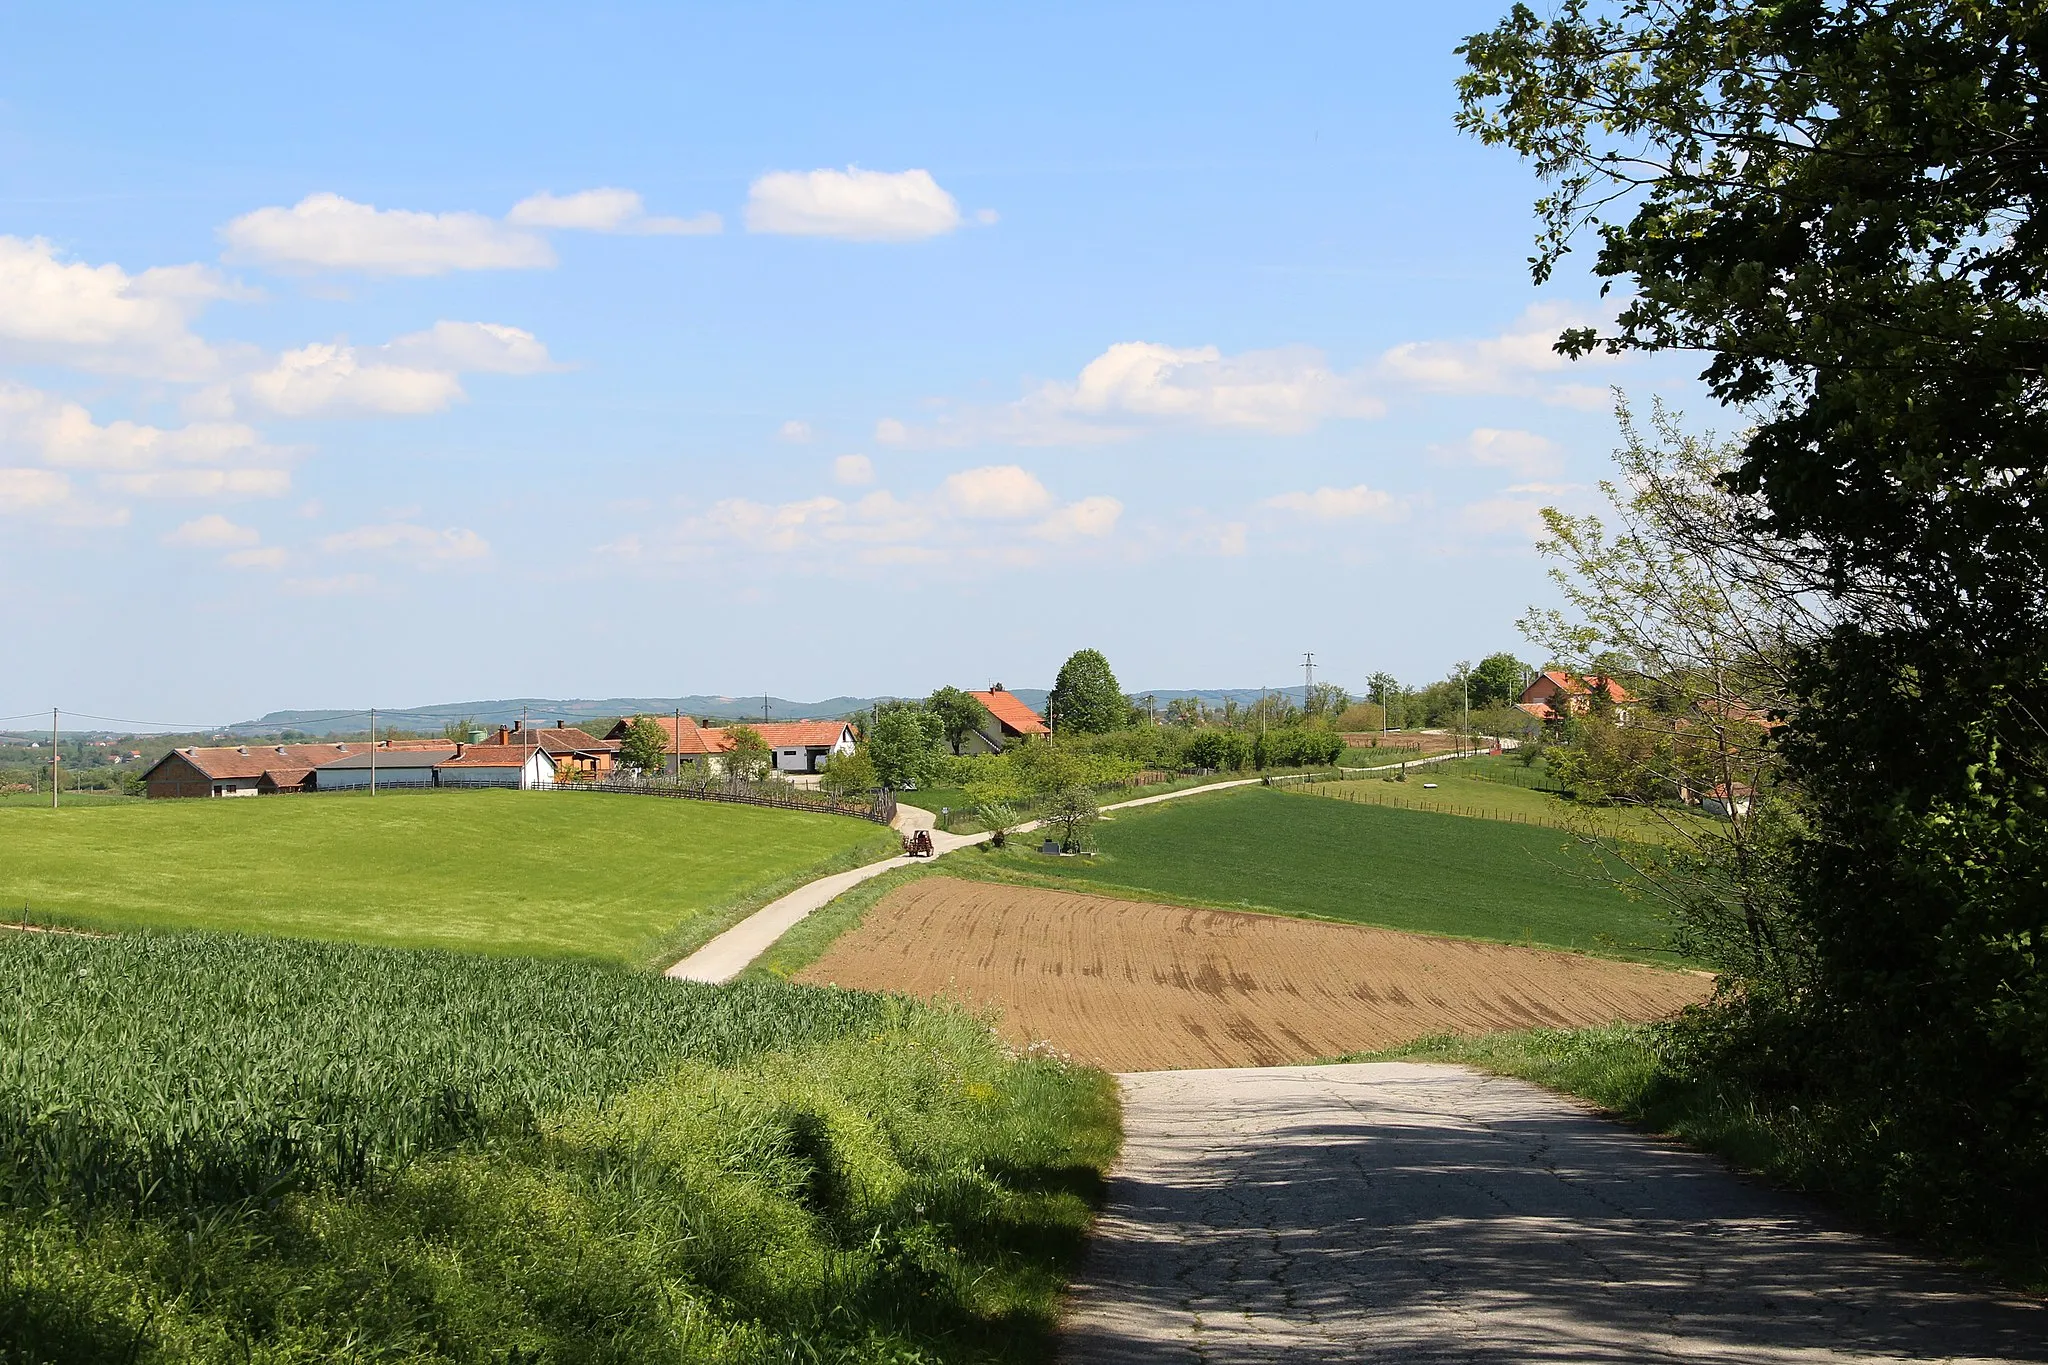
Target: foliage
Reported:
[(386, 1155), (1360, 716), (1300, 748), (1085, 696), (998, 818), (644, 747), (905, 742), (960, 715), (460, 730), (1070, 813), (747, 757), (1252, 848), (1185, 712), (1222, 750), (846, 776), (493, 871), (1837, 205), (1322, 703), (1497, 680)]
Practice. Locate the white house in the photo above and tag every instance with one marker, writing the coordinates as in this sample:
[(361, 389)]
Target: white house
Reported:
[(408, 767), (802, 746), (496, 765)]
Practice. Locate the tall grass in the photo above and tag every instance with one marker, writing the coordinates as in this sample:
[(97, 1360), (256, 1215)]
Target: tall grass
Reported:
[(204, 1066), (232, 1150)]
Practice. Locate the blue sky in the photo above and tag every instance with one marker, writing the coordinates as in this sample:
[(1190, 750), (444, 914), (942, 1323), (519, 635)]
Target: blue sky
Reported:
[(401, 355)]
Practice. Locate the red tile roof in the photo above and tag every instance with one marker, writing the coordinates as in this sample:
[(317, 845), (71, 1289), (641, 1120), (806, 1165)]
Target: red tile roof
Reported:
[(1011, 714), (557, 739), (793, 734), (688, 740), (1579, 686), (222, 762)]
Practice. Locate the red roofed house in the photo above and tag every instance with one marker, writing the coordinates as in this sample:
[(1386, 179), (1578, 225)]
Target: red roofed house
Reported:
[(1554, 695), (801, 746), (1010, 720), (573, 750), (241, 770), (690, 745)]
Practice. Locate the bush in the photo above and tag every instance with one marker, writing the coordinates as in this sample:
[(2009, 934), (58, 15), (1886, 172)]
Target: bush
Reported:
[(1222, 750), (1297, 749)]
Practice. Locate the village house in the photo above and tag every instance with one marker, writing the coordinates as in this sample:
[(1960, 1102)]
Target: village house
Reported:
[(404, 764), (1554, 696), (796, 746), (574, 752), (241, 770), (1009, 721), (496, 765)]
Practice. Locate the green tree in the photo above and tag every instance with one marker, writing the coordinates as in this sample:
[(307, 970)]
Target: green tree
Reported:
[(1086, 698), (644, 746), (747, 757), (905, 742), (1070, 814), (1186, 712), (960, 715), (457, 731), (846, 776), (1497, 680), (1836, 205)]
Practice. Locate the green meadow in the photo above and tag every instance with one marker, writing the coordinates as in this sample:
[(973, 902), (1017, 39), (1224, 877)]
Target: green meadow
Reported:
[(630, 878), (1260, 849)]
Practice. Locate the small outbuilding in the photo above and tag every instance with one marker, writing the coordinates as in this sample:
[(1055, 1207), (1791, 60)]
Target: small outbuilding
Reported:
[(496, 765), (410, 766), (240, 769)]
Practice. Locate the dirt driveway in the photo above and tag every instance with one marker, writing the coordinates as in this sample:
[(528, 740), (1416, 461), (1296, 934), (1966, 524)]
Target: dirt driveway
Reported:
[(1138, 987)]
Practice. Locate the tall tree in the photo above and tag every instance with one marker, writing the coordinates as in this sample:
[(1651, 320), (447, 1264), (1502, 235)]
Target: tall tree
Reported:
[(905, 741), (1085, 696), (960, 715), (644, 746), (747, 757), (1839, 205), (1497, 680)]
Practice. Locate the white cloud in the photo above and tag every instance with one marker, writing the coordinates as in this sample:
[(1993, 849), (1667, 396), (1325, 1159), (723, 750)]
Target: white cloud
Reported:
[(606, 210), (1339, 504), (875, 206), (474, 348), (28, 490), (329, 378), (853, 470), (1092, 517), (996, 492), (412, 543), (268, 557), (48, 497), (202, 483), (1522, 452), (1286, 390), (327, 232), (1520, 360), (213, 532), (794, 430), (102, 318), (64, 434)]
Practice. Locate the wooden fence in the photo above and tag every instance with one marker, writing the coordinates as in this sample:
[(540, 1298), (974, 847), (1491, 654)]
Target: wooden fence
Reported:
[(881, 809)]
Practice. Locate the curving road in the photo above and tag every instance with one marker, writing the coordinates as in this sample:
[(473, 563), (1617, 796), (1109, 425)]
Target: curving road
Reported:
[(1400, 1212)]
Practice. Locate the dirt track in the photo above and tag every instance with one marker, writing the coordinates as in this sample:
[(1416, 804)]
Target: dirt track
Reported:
[(1136, 987)]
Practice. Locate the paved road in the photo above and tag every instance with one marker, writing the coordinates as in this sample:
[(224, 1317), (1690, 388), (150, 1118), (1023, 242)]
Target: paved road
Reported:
[(726, 956), (1398, 1212)]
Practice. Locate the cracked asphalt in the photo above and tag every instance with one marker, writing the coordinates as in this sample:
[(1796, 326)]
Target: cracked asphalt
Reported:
[(1405, 1212)]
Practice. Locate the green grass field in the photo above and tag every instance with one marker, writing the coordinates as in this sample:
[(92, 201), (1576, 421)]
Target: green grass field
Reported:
[(630, 878), (1270, 850), (215, 1148), (1459, 793)]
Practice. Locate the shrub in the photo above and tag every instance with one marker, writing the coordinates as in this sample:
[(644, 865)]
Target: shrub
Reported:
[(1222, 750), (1304, 748)]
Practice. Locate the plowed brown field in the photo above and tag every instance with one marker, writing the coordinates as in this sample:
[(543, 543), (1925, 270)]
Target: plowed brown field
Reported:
[(1137, 987)]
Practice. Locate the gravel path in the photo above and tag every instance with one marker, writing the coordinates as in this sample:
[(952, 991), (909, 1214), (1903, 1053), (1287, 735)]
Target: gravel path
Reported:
[(726, 956), (1409, 1213)]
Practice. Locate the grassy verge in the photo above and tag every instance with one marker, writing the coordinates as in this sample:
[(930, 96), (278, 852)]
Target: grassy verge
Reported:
[(807, 941), (1453, 793), (1623, 1070), (1271, 851), (962, 821), (629, 878), (223, 1149)]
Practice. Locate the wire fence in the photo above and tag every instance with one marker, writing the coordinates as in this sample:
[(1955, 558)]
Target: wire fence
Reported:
[(880, 807), (1367, 796)]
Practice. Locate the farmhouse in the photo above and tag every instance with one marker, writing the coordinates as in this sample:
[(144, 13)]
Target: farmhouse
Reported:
[(241, 770), (1009, 720), (688, 747), (573, 750), (802, 746), (402, 765), (496, 765), (1555, 695)]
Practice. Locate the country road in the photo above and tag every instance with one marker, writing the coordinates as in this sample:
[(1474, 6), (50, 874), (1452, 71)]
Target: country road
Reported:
[(1398, 1212)]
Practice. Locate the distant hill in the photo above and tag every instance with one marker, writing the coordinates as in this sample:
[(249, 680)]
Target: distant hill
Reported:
[(508, 709)]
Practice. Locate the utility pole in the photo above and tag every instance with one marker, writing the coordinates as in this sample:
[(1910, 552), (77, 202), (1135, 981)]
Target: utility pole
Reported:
[(373, 751), (53, 758), (1465, 681), (764, 708), (1308, 679), (679, 739)]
